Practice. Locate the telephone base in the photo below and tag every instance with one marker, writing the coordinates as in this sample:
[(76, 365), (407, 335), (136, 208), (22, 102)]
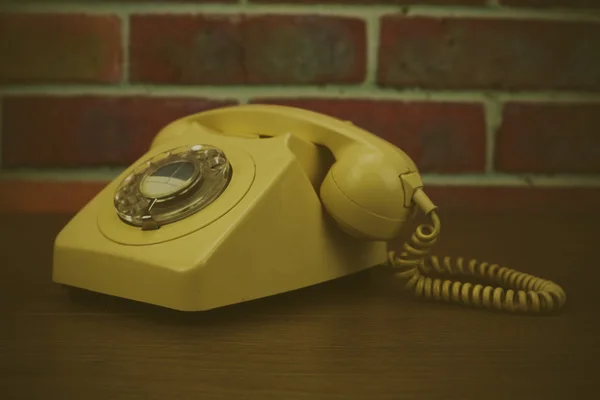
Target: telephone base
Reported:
[(276, 239)]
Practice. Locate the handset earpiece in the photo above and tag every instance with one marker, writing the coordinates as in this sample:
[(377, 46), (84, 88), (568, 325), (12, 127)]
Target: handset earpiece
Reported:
[(365, 194)]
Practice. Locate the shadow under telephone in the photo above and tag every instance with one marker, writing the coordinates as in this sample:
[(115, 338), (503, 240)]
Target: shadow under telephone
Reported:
[(204, 218)]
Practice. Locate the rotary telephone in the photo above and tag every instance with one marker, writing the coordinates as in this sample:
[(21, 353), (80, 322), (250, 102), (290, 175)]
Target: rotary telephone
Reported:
[(206, 216)]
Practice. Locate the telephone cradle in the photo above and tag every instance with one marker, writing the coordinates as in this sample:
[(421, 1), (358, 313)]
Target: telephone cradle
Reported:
[(244, 202)]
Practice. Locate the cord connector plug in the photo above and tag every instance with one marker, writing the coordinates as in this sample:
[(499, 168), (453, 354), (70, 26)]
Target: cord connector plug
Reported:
[(413, 192), (423, 201)]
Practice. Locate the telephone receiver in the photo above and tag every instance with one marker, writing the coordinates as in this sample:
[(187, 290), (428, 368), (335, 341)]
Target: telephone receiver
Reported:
[(249, 201)]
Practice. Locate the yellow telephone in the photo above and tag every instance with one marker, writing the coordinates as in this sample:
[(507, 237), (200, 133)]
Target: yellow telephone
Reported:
[(249, 201)]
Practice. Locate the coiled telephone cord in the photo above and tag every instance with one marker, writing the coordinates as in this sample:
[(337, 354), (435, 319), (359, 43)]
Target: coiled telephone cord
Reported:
[(527, 293)]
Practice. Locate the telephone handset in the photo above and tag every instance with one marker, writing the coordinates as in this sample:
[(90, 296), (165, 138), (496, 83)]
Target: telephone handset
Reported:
[(249, 201)]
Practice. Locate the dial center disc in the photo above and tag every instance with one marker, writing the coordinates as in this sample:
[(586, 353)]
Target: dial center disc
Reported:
[(169, 179)]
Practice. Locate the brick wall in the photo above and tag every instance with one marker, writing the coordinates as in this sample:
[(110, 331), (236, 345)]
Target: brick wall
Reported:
[(492, 98)]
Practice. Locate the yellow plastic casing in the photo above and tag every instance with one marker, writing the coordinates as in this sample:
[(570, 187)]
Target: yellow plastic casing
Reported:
[(274, 228)]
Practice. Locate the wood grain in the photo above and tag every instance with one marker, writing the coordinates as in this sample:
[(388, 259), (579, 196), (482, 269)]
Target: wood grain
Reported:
[(359, 337)]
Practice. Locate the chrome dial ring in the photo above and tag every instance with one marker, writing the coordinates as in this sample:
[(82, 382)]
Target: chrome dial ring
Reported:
[(172, 185)]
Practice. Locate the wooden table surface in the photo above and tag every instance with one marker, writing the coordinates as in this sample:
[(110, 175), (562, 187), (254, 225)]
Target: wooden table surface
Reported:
[(359, 337)]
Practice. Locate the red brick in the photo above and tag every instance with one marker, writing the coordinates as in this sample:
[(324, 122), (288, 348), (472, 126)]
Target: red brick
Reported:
[(515, 200), (374, 2), (549, 138), (200, 49), (439, 137), (56, 48), (589, 4), (460, 53), (31, 196), (87, 131)]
